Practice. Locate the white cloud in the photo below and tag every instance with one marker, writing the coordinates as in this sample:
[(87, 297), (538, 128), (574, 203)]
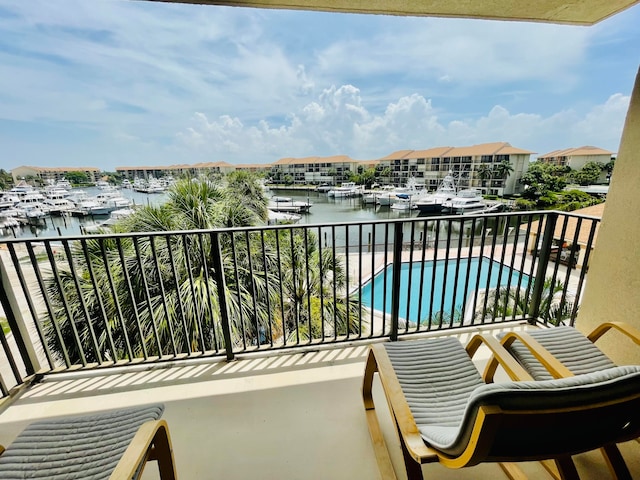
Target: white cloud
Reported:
[(339, 123)]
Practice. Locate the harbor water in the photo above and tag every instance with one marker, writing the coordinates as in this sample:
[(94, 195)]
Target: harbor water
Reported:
[(324, 210)]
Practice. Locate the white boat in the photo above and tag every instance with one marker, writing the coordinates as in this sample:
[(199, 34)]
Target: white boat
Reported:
[(432, 202), (346, 190), (371, 199), (281, 217), (8, 200), (280, 199), (466, 201), (126, 183), (58, 206), (403, 205), (63, 183), (289, 206)]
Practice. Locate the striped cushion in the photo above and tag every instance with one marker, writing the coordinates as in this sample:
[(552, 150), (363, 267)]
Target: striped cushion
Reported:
[(568, 345), (437, 377), (81, 447)]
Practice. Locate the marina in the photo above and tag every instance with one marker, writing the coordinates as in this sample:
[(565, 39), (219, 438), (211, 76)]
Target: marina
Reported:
[(307, 206)]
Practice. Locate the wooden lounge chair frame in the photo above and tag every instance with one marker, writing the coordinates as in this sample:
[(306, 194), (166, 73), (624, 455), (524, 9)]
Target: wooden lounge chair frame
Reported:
[(488, 422), (151, 442)]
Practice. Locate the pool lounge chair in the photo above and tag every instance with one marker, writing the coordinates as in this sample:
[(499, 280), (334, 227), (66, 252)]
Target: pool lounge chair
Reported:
[(108, 445), (444, 411)]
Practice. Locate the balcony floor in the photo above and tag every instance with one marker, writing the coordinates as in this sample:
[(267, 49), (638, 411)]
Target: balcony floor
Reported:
[(285, 416)]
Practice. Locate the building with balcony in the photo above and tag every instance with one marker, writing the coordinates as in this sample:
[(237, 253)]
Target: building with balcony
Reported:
[(259, 168), (473, 167), (53, 174), (176, 171), (576, 158), (315, 170)]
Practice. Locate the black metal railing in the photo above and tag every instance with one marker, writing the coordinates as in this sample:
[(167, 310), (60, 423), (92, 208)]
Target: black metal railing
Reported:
[(116, 299)]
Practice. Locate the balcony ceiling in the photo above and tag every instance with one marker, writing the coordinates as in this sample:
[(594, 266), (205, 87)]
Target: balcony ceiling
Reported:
[(579, 12)]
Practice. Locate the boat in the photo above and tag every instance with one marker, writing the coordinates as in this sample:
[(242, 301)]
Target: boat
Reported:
[(58, 206), (466, 201), (286, 204), (8, 200), (432, 202), (276, 218), (403, 205), (280, 199), (345, 190), (323, 188)]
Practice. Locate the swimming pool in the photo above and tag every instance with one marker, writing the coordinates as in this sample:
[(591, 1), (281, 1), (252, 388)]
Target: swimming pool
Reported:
[(446, 290)]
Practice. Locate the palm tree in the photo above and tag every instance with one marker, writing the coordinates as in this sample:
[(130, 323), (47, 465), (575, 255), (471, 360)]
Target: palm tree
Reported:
[(484, 172), (503, 169), (513, 301), (145, 295)]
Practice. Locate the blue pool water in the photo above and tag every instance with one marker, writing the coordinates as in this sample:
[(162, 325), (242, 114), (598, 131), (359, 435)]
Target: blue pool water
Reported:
[(446, 290)]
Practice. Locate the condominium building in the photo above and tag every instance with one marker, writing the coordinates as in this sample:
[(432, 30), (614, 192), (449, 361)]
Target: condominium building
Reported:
[(478, 166), (52, 174), (176, 170), (259, 168), (316, 170), (576, 158)]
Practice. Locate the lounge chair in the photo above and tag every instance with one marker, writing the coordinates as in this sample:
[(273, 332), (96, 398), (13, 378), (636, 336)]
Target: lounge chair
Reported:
[(109, 445), (445, 412)]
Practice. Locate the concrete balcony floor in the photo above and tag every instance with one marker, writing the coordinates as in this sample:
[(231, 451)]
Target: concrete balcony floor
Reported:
[(284, 416)]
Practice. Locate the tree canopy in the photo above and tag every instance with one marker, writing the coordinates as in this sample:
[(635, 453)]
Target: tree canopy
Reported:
[(148, 295)]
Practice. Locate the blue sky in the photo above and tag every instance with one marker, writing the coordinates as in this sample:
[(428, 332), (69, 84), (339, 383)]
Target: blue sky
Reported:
[(118, 83)]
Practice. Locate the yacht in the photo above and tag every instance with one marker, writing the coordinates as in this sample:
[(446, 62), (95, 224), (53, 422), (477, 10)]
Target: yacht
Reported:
[(466, 201), (58, 206), (8, 200), (347, 189), (432, 202)]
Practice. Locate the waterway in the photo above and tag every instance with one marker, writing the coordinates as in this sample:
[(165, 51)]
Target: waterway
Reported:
[(324, 210)]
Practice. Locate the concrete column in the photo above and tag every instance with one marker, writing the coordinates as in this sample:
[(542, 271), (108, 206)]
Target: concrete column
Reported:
[(612, 292)]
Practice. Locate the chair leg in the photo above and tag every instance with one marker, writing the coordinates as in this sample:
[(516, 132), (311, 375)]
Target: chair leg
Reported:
[(413, 468), (512, 471), (162, 452), (615, 462), (566, 468), (379, 445)]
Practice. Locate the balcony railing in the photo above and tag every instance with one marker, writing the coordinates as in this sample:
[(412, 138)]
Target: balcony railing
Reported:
[(118, 299)]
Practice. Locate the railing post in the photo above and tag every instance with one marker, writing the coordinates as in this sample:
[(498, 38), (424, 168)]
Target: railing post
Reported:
[(218, 274), (16, 322), (543, 262), (398, 230)]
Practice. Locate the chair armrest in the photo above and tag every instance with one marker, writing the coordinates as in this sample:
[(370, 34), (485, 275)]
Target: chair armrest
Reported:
[(551, 363), (622, 327), (151, 442), (500, 356), (400, 408)]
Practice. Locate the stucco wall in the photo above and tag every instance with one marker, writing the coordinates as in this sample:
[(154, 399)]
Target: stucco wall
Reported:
[(613, 286)]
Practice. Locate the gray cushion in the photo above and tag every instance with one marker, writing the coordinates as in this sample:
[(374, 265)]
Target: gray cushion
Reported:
[(568, 345), (80, 447), (568, 392), (437, 377)]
